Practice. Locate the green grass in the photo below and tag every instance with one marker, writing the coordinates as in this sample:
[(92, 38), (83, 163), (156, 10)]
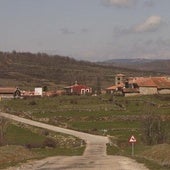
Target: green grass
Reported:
[(20, 136), (84, 106), (106, 128), (91, 114), (58, 151)]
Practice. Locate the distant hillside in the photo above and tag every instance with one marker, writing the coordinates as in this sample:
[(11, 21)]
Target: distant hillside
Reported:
[(162, 66), (27, 70)]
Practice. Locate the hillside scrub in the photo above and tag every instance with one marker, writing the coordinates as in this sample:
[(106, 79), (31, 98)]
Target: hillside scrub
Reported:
[(27, 70)]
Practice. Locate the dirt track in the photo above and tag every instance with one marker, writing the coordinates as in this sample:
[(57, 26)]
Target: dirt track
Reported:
[(94, 157)]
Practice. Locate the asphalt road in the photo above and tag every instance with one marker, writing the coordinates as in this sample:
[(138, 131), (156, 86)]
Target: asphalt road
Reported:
[(94, 157)]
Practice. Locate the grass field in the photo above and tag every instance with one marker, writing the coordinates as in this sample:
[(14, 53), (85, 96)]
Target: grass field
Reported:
[(116, 116)]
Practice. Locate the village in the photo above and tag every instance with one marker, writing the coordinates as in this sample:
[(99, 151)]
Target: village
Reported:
[(124, 86)]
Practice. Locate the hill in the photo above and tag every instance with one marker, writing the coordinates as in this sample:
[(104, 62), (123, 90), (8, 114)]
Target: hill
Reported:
[(162, 66), (28, 70)]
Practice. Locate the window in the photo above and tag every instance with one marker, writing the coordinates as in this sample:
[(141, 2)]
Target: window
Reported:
[(82, 91)]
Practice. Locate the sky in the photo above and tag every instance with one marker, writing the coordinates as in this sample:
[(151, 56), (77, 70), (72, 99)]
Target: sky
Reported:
[(93, 30)]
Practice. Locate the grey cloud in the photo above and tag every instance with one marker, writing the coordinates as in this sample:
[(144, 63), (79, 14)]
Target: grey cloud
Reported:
[(151, 24), (120, 3), (84, 30), (128, 3), (149, 3), (152, 48), (66, 31), (165, 43), (121, 31)]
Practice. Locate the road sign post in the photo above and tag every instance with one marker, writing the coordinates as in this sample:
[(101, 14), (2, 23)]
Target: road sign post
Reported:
[(132, 140), (133, 149)]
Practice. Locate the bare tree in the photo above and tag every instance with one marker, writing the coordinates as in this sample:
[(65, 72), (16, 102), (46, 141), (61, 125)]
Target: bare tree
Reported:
[(153, 127)]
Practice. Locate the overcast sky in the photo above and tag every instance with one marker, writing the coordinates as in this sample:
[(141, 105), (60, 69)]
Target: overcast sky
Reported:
[(93, 30)]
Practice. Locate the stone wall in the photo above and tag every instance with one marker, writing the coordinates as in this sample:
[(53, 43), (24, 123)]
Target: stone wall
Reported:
[(148, 90), (131, 94), (164, 91)]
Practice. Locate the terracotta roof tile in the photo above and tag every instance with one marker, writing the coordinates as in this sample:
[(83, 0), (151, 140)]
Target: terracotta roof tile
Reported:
[(114, 87), (161, 82), (7, 90), (111, 88), (144, 82)]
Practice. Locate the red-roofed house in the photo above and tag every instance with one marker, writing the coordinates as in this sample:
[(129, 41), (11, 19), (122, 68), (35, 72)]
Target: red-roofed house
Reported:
[(145, 85), (78, 89), (9, 92), (163, 84), (115, 88), (148, 85)]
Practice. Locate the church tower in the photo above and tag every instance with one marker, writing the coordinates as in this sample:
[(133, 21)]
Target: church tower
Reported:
[(119, 79)]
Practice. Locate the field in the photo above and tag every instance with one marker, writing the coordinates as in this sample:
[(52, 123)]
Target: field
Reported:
[(115, 116), (23, 142)]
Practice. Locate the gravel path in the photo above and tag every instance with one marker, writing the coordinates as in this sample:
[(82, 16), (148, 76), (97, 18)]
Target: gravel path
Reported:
[(94, 157)]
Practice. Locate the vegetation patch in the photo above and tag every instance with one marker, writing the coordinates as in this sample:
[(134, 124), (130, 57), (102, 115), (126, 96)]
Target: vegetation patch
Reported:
[(24, 142), (115, 116), (12, 154), (159, 153)]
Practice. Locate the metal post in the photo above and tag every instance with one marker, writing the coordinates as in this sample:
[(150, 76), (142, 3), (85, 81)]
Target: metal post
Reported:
[(133, 149)]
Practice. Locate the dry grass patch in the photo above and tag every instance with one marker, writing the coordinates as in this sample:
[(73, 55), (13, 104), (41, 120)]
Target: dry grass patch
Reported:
[(159, 153), (11, 154)]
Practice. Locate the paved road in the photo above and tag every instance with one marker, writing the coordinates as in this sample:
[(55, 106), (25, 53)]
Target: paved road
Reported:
[(94, 157)]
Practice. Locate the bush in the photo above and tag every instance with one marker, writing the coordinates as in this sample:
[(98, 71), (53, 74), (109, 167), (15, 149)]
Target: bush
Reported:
[(32, 103), (73, 101), (49, 142), (33, 145), (45, 132)]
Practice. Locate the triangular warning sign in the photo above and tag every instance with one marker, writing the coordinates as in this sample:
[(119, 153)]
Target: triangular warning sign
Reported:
[(132, 139)]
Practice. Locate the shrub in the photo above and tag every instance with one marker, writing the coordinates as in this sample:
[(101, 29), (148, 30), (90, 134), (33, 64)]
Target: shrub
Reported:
[(45, 132), (32, 103), (33, 145), (73, 101), (49, 142)]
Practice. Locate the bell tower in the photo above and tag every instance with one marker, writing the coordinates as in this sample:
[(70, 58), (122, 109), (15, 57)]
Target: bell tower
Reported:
[(119, 79)]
